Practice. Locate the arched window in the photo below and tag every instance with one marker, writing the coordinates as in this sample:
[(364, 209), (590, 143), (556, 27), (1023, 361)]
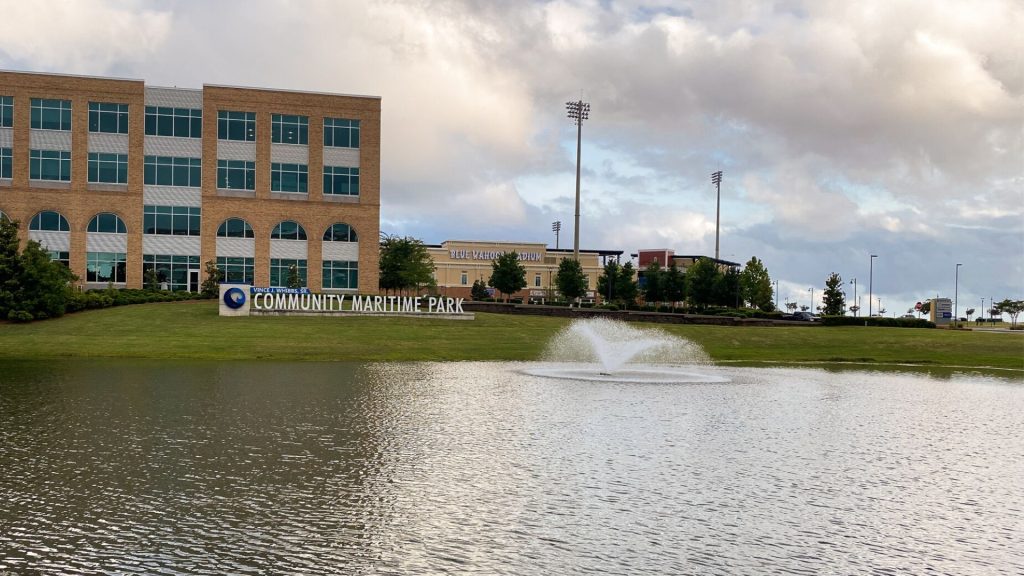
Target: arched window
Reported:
[(235, 228), (288, 230), (108, 223), (50, 222), (340, 233)]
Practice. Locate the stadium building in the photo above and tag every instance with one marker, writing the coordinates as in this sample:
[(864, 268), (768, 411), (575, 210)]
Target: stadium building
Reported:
[(460, 263), (114, 177)]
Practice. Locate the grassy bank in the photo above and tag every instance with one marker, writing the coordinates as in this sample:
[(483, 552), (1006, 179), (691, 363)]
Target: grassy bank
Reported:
[(194, 330)]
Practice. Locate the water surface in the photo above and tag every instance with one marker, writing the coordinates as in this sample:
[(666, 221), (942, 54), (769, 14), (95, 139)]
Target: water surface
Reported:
[(334, 468)]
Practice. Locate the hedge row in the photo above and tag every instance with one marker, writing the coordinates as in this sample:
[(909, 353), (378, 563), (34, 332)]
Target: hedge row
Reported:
[(876, 321), (93, 299)]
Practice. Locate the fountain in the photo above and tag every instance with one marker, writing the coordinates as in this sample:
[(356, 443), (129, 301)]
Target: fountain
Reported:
[(598, 349)]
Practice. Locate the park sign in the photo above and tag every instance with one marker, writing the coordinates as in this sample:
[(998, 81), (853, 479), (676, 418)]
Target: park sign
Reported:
[(246, 300)]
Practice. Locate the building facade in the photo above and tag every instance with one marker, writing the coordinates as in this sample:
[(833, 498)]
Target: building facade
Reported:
[(115, 178), (460, 263)]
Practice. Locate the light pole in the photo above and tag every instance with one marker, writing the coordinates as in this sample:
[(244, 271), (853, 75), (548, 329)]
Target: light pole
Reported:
[(812, 299), (777, 295), (578, 112), (716, 179), (982, 307), (871, 279), (556, 227), (956, 295), (854, 282)]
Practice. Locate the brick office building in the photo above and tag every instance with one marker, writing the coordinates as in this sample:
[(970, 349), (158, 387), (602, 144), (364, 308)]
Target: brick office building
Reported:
[(113, 177)]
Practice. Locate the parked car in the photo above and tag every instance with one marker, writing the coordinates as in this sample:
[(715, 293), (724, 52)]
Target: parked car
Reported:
[(802, 317)]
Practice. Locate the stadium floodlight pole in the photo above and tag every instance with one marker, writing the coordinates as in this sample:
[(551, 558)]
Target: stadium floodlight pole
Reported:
[(556, 227), (956, 295), (578, 112), (871, 279), (716, 179)]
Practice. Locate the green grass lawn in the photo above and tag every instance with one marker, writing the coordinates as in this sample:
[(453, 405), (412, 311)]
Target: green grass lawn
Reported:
[(194, 330)]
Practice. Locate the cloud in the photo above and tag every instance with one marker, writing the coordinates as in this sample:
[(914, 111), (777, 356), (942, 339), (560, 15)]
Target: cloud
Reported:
[(79, 37)]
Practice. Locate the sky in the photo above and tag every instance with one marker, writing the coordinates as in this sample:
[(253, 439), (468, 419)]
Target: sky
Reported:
[(843, 129)]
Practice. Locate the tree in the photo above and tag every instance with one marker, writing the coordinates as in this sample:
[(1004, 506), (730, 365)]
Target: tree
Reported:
[(607, 282), (479, 290), (150, 280), (654, 283), (701, 281), (405, 264), (727, 288), (294, 280), (626, 287), (969, 312), (756, 285), (214, 276), (674, 284), (508, 276), (926, 307), (570, 280), (791, 306), (833, 300), (32, 285), (1011, 307)]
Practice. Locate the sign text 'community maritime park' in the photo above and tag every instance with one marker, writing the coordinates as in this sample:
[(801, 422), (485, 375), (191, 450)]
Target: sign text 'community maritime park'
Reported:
[(242, 300)]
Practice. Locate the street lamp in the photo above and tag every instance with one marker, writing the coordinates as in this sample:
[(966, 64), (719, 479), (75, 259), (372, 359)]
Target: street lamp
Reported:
[(578, 111), (854, 282), (716, 179), (871, 279), (777, 295), (812, 299), (956, 294), (556, 227)]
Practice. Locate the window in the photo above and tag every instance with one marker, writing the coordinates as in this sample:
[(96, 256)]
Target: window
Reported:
[(5, 163), (108, 168), (179, 122), (235, 228), (236, 126), (341, 133), (340, 233), (60, 257), (170, 270), (288, 177), (105, 267), (464, 279), (51, 114), (236, 270), (107, 117), (49, 222), (288, 230), (341, 274), (341, 180), (6, 111), (171, 220), (286, 129), (171, 171), (107, 223), (236, 174), (49, 165), (280, 267), (536, 281)]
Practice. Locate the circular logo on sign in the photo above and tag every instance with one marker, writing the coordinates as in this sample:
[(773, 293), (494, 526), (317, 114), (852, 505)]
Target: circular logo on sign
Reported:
[(234, 298)]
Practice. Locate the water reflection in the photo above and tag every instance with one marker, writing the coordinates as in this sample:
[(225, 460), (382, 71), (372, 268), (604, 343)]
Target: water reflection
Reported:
[(193, 468)]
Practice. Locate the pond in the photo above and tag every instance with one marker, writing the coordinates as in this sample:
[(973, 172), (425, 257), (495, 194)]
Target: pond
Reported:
[(425, 468)]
